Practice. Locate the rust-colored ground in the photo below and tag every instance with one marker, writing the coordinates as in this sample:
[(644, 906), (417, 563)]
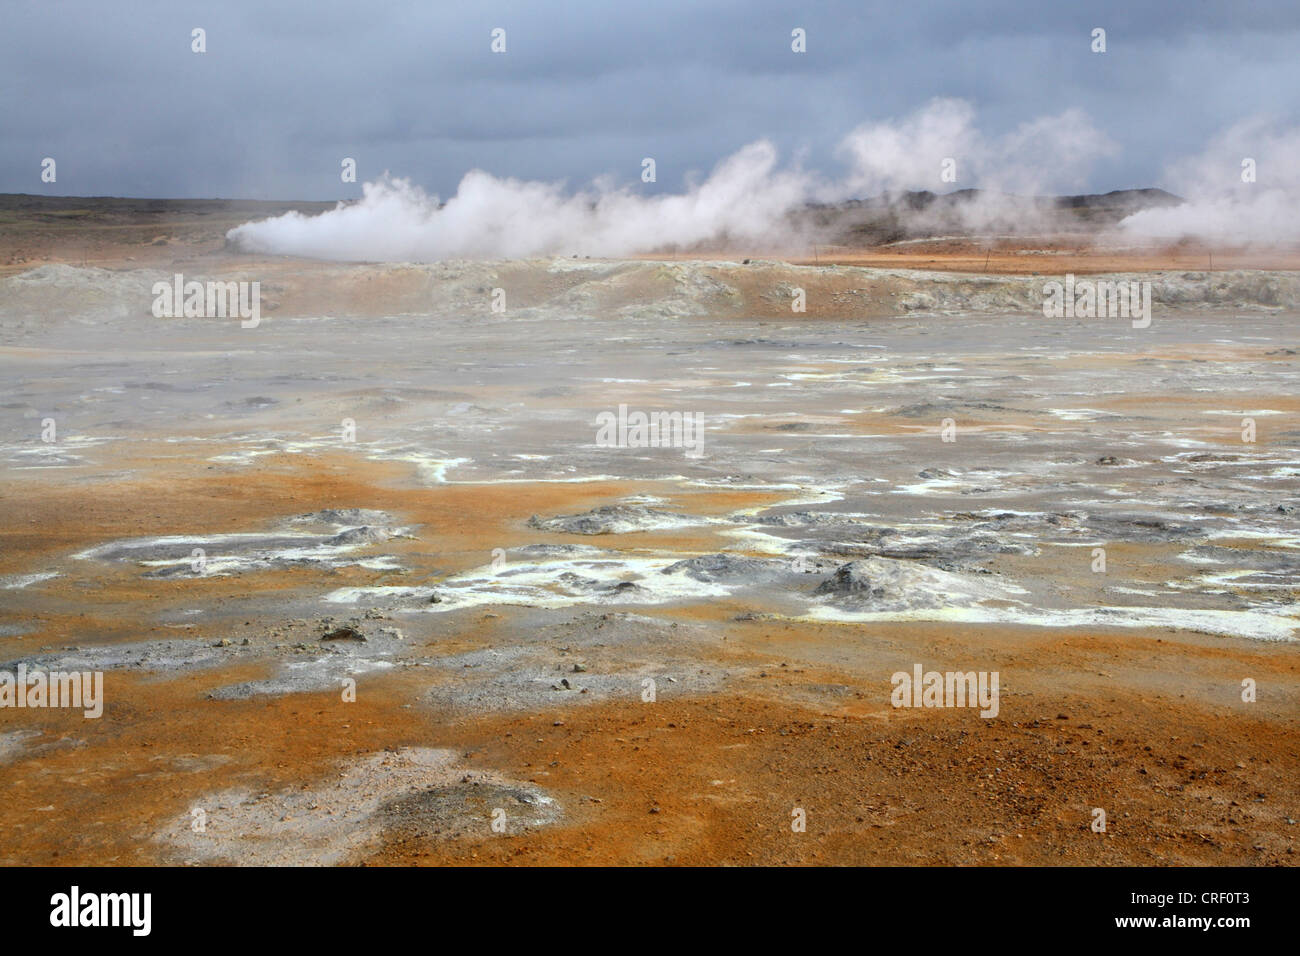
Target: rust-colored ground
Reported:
[(1149, 727), (1030, 255)]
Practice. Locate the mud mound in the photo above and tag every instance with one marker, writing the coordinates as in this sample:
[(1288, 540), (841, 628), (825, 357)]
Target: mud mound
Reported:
[(613, 519), (882, 584), (328, 823), (729, 568)]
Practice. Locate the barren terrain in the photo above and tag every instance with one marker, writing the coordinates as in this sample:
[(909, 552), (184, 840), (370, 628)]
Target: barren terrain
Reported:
[(466, 610)]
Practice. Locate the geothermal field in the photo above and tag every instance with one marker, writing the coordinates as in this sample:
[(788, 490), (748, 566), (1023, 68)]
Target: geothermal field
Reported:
[(576, 560)]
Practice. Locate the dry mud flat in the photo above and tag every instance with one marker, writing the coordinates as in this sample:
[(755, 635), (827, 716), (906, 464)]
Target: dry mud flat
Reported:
[(463, 630)]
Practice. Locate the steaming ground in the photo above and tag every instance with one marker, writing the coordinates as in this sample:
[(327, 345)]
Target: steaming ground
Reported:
[(502, 590), (749, 199)]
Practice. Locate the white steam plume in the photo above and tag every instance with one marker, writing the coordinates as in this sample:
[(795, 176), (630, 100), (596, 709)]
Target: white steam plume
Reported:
[(1046, 156), (488, 217), (746, 197), (1051, 153), (1220, 206)]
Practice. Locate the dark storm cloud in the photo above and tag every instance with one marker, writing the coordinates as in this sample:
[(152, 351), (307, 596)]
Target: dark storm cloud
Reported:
[(285, 91)]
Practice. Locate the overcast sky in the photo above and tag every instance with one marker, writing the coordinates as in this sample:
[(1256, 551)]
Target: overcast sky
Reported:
[(286, 90)]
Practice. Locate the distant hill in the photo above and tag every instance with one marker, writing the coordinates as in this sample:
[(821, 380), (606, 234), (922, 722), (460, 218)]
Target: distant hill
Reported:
[(37, 228), (923, 214)]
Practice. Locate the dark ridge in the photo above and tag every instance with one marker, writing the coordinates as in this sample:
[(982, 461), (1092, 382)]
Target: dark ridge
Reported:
[(922, 214)]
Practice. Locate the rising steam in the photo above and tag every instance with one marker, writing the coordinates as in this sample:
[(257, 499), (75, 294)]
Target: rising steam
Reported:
[(1221, 205), (744, 197), (749, 198)]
